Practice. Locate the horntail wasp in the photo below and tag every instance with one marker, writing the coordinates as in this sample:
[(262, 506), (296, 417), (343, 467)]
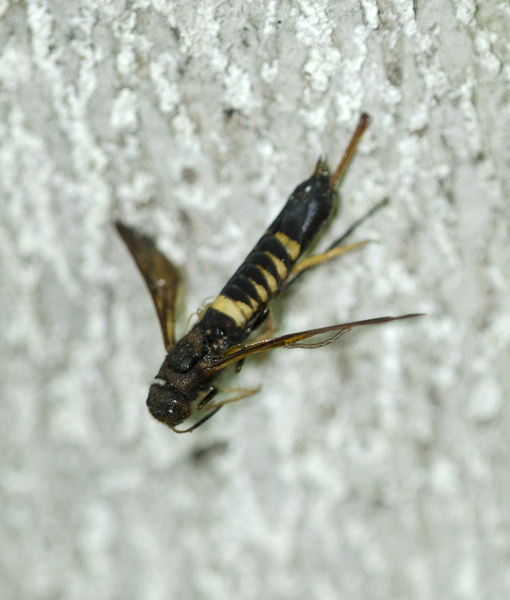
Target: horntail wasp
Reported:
[(185, 385)]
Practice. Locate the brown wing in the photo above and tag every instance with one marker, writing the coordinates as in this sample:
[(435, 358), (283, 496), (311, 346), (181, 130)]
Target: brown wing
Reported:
[(292, 340), (161, 277)]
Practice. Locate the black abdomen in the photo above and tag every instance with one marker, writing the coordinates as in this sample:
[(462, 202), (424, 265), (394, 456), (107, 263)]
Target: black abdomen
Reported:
[(259, 279)]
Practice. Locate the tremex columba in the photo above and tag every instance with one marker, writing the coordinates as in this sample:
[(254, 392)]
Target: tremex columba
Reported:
[(184, 386)]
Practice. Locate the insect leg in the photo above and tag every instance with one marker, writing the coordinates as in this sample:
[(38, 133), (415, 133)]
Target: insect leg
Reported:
[(317, 259), (207, 398), (336, 248), (214, 408), (271, 327), (198, 423), (377, 207), (265, 314), (241, 394)]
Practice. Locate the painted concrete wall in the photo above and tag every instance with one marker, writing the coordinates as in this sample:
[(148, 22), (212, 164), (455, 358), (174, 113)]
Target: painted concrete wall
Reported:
[(375, 468)]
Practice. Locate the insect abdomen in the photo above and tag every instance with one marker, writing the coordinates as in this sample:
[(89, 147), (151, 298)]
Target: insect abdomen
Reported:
[(259, 279)]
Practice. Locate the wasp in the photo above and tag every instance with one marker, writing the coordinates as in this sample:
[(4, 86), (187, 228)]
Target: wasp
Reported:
[(186, 384)]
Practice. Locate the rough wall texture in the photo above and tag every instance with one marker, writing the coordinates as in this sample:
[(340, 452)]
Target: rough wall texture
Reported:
[(372, 469)]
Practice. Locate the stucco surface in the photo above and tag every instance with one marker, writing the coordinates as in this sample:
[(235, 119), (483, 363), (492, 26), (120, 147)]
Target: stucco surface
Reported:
[(375, 468)]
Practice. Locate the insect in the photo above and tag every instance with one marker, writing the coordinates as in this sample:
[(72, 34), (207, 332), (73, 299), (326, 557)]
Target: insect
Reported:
[(186, 385)]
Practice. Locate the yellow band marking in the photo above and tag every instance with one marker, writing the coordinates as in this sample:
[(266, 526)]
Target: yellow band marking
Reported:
[(261, 291), (239, 311), (271, 281), (244, 308), (280, 266), (292, 247), (253, 302)]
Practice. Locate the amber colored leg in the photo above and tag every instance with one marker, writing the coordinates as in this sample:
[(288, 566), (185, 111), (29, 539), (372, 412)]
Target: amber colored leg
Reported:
[(335, 249), (271, 328), (317, 259)]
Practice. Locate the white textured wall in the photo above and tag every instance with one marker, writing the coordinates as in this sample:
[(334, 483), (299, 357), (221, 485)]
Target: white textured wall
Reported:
[(376, 468)]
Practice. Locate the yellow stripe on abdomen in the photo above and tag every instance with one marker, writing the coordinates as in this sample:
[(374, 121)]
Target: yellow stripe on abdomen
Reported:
[(292, 247), (261, 291), (280, 265), (271, 281), (239, 311)]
